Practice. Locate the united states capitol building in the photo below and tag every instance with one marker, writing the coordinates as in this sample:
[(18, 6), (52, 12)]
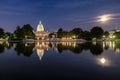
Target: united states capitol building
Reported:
[(40, 33)]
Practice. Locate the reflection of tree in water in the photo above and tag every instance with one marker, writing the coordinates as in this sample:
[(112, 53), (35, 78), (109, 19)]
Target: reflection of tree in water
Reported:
[(4, 45), (8, 45), (112, 45), (86, 46), (2, 48), (96, 49), (50, 45), (25, 49), (60, 48), (77, 49), (106, 47), (116, 46)]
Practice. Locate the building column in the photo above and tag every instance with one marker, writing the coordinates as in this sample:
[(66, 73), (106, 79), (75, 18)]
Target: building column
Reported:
[(42, 38), (38, 38)]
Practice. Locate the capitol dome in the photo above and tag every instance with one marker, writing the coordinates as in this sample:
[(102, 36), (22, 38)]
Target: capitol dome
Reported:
[(40, 27)]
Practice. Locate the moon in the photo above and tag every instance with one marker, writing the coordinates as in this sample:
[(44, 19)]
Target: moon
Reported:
[(104, 18)]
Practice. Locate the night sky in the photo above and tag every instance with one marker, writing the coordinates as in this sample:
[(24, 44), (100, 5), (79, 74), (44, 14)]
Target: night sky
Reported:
[(54, 14)]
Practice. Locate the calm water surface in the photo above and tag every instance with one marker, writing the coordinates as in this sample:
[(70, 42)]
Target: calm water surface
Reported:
[(65, 60)]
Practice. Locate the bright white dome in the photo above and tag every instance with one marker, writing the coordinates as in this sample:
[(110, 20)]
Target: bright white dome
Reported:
[(40, 27)]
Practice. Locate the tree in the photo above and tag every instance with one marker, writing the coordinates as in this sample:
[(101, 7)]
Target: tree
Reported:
[(76, 32), (97, 32), (28, 31), (66, 34), (18, 33), (117, 35), (1, 32), (106, 33), (60, 33), (7, 35), (52, 35), (86, 35)]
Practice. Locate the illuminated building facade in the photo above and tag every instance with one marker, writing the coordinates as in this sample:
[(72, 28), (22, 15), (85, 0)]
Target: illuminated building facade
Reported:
[(40, 32)]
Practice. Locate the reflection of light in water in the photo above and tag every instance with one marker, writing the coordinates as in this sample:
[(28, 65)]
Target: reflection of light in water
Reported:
[(40, 53), (102, 60), (106, 44), (94, 42), (26, 44), (113, 45), (103, 44), (110, 44), (74, 44), (117, 50), (1, 42)]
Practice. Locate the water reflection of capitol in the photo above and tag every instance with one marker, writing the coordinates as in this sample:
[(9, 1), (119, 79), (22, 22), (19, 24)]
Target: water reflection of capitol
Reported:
[(40, 47)]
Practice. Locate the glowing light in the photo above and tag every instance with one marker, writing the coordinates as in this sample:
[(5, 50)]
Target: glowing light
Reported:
[(73, 36), (102, 60), (105, 62), (113, 36), (117, 50), (74, 45), (105, 17)]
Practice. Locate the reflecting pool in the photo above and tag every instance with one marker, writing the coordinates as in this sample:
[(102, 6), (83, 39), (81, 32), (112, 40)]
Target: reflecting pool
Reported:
[(60, 60)]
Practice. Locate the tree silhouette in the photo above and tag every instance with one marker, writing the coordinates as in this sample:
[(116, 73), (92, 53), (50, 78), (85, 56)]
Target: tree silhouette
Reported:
[(96, 49), (77, 32), (1, 32), (60, 48), (60, 33), (97, 32), (18, 33), (25, 32), (21, 48), (28, 31), (2, 48), (86, 35)]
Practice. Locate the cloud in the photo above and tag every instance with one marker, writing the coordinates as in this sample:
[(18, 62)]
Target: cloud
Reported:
[(72, 4)]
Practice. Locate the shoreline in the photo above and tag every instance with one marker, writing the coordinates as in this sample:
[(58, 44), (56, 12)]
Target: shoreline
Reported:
[(73, 40), (59, 40)]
